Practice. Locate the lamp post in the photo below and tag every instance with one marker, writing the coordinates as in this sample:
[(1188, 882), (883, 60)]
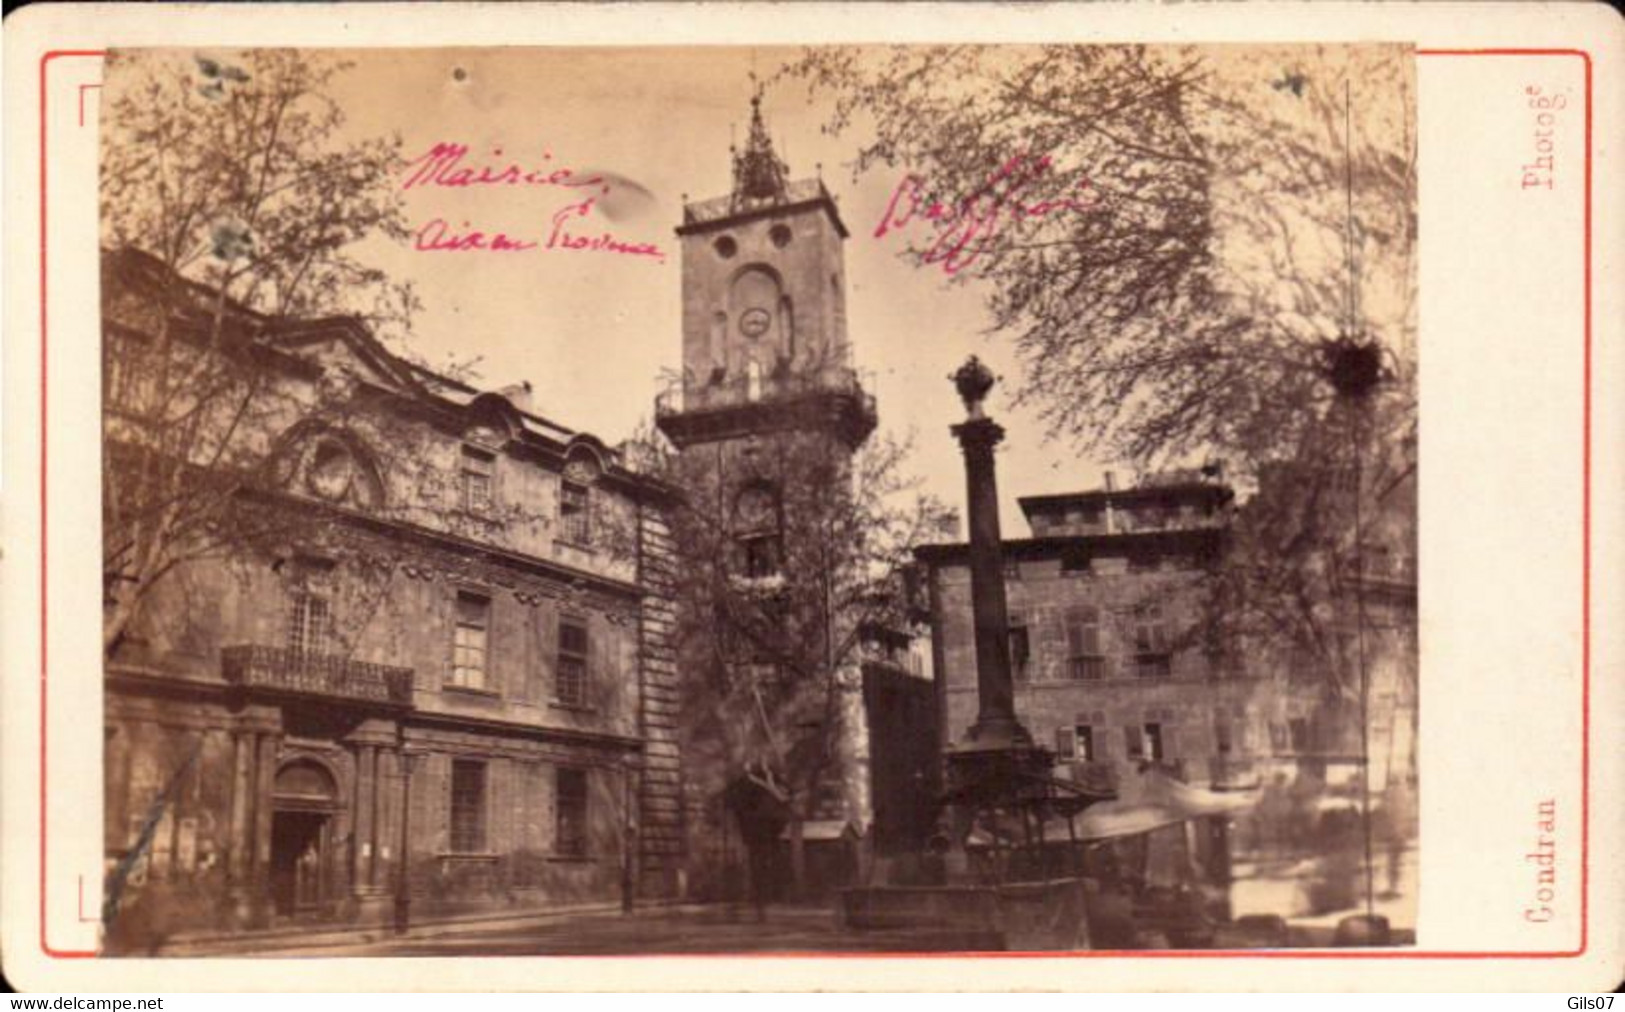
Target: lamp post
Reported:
[(409, 760)]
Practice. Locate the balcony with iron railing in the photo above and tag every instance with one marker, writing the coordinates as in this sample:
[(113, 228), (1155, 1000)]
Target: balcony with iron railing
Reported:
[(284, 670), (695, 410)]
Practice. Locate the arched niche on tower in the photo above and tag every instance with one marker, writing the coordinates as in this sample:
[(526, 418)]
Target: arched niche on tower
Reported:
[(717, 349), (787, 330), (757, 309)]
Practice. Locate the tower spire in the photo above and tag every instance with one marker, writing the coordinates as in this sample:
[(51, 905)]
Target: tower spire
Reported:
[(760, 175)]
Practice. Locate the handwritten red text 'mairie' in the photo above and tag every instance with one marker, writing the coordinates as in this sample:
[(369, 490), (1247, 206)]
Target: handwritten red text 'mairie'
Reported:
[(437, 236), (442, 165), (967, 227)]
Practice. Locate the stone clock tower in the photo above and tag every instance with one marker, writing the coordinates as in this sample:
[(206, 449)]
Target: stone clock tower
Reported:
[(766, 417), (764, 309)]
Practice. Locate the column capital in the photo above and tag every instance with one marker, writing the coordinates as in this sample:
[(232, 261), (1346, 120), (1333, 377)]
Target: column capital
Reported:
[(978, 432), (381, 733)]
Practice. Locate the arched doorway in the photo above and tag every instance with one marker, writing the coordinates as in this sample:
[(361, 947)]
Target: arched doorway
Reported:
[(304, 802)]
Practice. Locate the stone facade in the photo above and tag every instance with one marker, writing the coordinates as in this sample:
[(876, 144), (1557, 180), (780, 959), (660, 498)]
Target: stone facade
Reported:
[(1106, 619), (450, 602), (1116, 662)]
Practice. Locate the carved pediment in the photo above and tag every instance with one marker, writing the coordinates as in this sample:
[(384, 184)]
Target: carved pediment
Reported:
[(330, 464)]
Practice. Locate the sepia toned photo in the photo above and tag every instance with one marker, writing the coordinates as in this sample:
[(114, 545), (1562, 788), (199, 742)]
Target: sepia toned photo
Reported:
[(721, 499)]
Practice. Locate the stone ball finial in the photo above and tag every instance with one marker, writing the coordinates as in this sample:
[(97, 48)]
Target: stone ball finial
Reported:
[(973, 380)]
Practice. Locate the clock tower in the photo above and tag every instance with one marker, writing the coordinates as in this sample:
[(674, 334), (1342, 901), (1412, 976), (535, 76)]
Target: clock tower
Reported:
[(766, 418), (764, 310)]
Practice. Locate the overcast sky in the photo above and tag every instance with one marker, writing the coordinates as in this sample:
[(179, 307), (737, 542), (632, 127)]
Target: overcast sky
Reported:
[(592, 331)]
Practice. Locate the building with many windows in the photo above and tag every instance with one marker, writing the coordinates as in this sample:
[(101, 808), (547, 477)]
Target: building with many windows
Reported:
[(1119, 663), (408, 636), (1107, 639)]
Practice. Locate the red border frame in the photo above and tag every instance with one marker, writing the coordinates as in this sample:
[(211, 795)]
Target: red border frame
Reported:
[(1585, 762)]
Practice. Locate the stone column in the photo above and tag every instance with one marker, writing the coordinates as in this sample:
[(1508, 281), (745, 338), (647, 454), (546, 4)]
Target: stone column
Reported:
[(373, 742), (242, 804), (996, 725), (997, 763), (240, 858), (365, 847), (266, 746)]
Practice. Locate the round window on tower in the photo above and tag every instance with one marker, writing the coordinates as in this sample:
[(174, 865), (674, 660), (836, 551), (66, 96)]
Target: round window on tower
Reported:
[(726, 247), (780, 234)]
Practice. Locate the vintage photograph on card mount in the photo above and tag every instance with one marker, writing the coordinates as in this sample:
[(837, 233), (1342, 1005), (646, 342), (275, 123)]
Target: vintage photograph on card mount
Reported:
[(722, 499)]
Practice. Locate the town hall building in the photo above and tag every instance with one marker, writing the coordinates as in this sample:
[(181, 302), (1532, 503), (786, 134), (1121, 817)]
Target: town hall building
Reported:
[(415, 658)]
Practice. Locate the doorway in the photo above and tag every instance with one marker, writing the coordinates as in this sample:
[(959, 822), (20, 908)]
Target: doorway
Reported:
[(304, 834), (299, 862)]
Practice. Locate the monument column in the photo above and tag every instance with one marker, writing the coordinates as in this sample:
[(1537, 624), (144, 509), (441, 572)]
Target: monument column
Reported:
[(996, 725)]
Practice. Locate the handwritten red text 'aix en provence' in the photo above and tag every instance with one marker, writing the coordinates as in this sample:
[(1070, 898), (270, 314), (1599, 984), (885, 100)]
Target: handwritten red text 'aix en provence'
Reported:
[(967, 227), (444, 166)]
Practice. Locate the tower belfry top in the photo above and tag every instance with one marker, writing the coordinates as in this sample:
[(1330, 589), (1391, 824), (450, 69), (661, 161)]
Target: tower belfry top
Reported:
[(765, 346), (760, 175), (761, 186)]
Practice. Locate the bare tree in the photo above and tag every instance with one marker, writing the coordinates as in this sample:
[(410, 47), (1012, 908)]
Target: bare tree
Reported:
[(1193, 250), (231, 205), (784, 564)]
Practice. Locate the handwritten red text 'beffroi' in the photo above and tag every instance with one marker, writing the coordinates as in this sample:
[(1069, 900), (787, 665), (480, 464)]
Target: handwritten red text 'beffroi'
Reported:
[(967, 227)]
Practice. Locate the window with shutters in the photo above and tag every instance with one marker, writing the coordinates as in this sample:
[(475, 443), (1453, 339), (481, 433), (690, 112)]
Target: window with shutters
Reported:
[(1278, 738), (1085, 659), (575, 513), (469, 639), (1134, 741), (1020, 647), (1155, 744), (1298, 735), (310, 624), (570, 678), (477, 480), (130, 375), (1151, 656), (1075, 561), (570, 812), (467, 806), (759, 531), (1083, 743)]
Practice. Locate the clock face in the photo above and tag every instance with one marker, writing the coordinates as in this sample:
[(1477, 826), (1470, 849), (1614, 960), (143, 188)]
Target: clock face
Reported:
[(754, 322)]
